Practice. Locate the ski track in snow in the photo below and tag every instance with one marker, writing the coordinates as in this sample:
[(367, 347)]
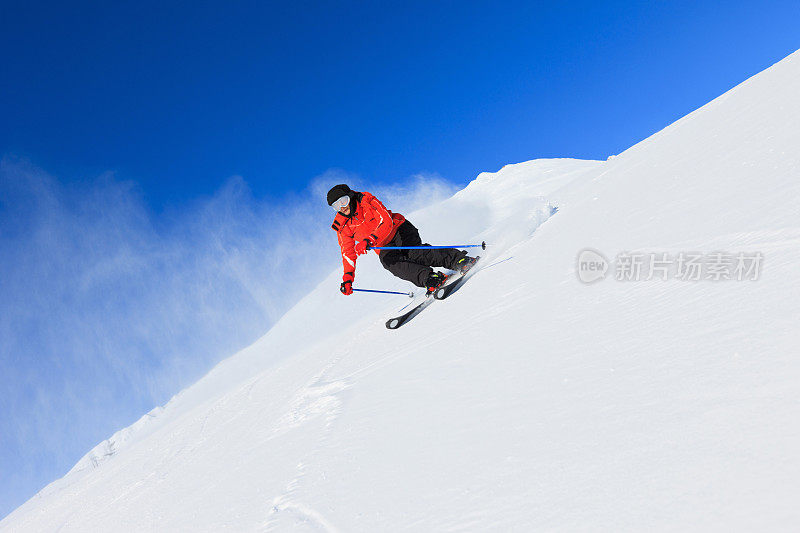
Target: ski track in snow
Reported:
[(302, 514), (322, 399), (319, 398)]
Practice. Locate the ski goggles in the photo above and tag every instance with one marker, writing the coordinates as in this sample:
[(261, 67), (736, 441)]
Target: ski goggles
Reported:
[(339, 204)]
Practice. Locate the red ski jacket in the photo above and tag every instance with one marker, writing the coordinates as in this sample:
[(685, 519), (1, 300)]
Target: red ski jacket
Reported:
[(372, 221)]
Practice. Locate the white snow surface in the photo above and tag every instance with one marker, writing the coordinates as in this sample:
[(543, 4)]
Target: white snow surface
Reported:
[(528, 401)]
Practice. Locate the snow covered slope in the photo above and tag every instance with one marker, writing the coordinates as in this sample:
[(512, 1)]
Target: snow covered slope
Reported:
[(529, 400)]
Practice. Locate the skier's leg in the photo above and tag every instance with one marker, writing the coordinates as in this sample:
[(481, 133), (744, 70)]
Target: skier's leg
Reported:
[(398, 264), (439, 257), (407, 235)]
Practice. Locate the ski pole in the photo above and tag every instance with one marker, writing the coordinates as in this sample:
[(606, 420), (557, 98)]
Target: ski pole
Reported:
[(481, 245), (409, 294)]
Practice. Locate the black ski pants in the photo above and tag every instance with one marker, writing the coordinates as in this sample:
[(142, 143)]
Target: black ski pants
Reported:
[(415, 265)]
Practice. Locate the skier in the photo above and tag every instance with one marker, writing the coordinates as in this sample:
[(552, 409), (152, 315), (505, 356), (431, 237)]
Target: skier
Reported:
[(362, 217)]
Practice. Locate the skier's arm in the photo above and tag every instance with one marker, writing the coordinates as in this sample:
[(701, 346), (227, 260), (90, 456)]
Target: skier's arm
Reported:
[(347, 244), (385, 222)]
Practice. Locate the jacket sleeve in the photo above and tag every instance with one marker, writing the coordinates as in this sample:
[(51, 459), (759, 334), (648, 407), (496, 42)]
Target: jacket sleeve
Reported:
[(385, 222), (347, 244)]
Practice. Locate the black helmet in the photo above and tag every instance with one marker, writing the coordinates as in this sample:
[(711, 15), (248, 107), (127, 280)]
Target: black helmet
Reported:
[(337, 191), (341, 190)]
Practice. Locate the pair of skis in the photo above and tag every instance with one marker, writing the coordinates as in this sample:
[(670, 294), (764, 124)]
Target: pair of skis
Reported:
[(439, 294)]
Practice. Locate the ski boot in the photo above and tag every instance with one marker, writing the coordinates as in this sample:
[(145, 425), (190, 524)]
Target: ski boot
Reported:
[(464, 264), (434, 281)]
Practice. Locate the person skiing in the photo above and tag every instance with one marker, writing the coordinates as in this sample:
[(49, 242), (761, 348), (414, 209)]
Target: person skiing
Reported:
[(363, 222)]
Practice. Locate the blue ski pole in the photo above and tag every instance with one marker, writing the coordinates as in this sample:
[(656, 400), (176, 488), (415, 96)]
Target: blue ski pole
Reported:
[(409, 294), (481, 245)]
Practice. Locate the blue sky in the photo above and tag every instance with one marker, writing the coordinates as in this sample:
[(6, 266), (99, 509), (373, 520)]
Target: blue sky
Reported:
[(164, 164), (179, 96)]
